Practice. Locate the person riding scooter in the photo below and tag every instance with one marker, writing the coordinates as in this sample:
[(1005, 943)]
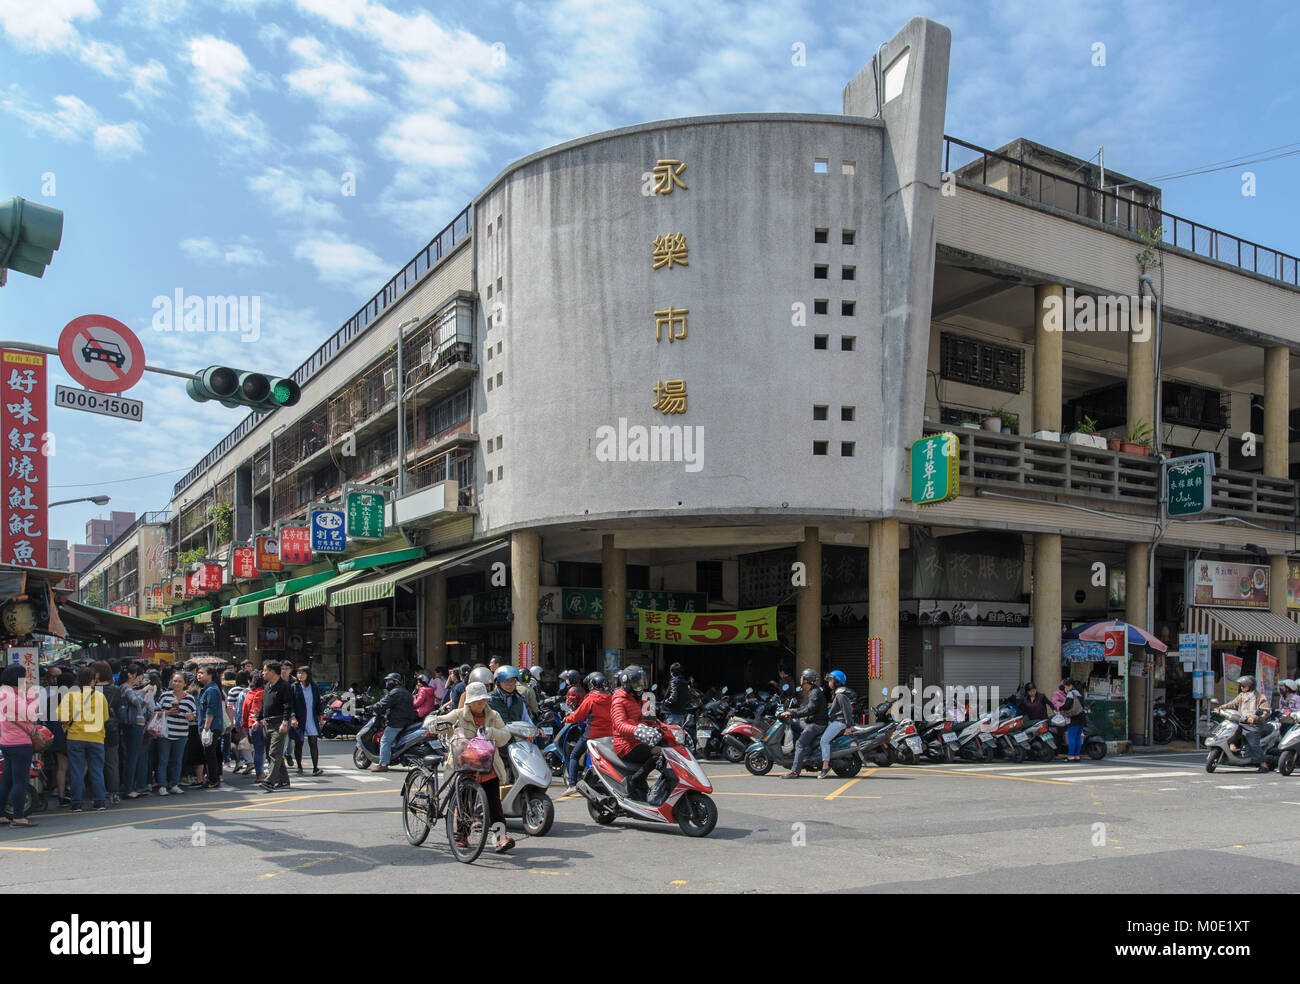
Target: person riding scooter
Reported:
[(813, 713), (506, 699), (1254, 706), (595, 704), (840, 715), (636, 741), (399, 706)]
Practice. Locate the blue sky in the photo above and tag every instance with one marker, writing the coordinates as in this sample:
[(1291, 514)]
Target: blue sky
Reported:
[(204, 146)]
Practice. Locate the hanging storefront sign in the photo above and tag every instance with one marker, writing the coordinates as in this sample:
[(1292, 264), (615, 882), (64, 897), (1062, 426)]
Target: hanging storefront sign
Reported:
[(327, 531), (1265, 674), (365, 515), (1229, 585), (270, 639), (243, 562), (972, 566), (948, 612), (588, 604), (29, 658), (934, 469), (485, 607), (1189, 484), (25, 531), (266, 551), (295, 545), (707, 629), (1115, 644), (210, 577), (192, 584)]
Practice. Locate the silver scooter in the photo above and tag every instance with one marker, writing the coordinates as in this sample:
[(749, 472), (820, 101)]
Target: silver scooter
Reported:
[(1229, 732), (1289, 747), (530, 776)]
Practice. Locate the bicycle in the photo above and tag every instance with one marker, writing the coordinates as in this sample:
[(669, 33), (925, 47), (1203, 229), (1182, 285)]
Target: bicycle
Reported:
[(463, 797)]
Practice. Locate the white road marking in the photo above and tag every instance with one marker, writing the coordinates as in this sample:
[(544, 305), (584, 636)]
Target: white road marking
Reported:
[(1140, 775), (1232, 787), (362, 777)]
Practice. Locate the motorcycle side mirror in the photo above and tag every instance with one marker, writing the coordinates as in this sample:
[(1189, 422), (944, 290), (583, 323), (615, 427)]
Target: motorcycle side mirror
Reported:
[(749, 690), (724, 690)]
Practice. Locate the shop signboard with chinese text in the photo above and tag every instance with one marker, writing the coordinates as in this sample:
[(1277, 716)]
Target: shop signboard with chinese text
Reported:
[(24, 532), (266, 549), (756, 625), (243, 563), (29, 658), (210, 577), (327, 533), (934, 469), (295, 545), (1189, 484), (588, 604), (1229, 585), (365, 514)]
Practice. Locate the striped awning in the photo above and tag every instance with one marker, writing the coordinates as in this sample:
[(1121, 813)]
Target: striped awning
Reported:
[(248, 604), (317, 596), (193, 613), (1242, 625), (203, 618), (383, 586), (286, 591)]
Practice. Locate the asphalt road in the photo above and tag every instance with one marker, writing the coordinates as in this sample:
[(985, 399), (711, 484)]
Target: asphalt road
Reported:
[(1155, 823)]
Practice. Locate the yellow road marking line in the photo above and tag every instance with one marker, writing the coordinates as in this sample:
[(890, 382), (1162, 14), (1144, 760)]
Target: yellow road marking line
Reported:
[(843, 789), (981, 775), (6, 847)]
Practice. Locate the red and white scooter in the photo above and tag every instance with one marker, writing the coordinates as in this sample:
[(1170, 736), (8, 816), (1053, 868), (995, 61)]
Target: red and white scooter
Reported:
[(688, 804)]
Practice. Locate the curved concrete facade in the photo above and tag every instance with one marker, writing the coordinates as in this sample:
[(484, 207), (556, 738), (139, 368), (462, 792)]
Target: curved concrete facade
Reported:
[(568, 289)]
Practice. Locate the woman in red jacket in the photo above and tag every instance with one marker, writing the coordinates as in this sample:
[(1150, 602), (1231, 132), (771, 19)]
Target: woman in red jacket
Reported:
[(249, 722), (636, 740), (596, 706)]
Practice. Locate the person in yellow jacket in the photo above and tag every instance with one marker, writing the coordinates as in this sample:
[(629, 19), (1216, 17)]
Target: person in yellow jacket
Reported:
[(84, 714)]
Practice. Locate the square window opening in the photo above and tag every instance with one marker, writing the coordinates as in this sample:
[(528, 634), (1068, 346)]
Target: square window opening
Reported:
[(846, 413), (821, 235), (821, 165), (820, 307), (846, 449), (847, 342), (846, 238), (846, 308), (819, 447), (848, 167), (819, 411), (848, 273), (819, 341), (821, 271)]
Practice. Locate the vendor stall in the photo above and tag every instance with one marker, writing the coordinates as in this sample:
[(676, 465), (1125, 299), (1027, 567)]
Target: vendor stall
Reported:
[(1103, 682)]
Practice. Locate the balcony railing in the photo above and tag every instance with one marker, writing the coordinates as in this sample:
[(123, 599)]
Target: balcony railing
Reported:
[(1043, 469), (1044, 186)]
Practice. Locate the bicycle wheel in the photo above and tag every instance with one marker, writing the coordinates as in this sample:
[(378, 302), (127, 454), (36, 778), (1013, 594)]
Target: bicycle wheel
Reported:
[(418, 794), (467, 819)]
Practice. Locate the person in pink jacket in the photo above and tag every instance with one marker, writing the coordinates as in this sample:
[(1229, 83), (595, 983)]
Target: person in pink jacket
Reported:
[(19, 716), (426, 698)]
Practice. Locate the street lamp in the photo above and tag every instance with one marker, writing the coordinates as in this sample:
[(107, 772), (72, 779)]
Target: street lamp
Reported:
[(99, 500)]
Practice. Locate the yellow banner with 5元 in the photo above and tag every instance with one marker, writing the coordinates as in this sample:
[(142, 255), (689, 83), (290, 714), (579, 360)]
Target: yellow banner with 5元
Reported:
[(756, 625)]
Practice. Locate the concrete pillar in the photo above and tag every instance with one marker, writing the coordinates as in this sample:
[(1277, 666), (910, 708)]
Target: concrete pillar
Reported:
[(1141, 384), (1277, 405), (353, 663), (613, 594), (1047, 610), (435, 621), (882, 615), (525, 578), (1135, 613), (254, 623), (1277, 577), (808, 603), (1048, 346)]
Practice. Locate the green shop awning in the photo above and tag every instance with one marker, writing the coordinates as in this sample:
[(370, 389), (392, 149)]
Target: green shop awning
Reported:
[(383, 586), (87, 624), (248, 604), (315, 597), (204, 617), (286, 591), (192, 613), (382, 559)]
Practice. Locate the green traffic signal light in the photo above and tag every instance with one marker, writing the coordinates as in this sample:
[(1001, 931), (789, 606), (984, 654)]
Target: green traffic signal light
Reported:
[(241, 388), (29, 235)]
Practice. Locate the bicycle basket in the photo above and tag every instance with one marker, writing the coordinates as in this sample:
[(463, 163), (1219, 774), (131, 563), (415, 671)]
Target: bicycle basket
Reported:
[(472, 754)]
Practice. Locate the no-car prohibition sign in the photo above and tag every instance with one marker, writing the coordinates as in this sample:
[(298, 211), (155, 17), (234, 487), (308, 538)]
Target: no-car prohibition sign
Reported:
[(101, 353)]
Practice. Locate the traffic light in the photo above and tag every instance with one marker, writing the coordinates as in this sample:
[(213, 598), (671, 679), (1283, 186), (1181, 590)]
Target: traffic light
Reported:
[(29, 235), (241, 388)]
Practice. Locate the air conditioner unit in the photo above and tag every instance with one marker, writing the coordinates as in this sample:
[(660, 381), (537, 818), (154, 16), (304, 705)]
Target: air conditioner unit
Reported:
[(426, 352), (390, 379)]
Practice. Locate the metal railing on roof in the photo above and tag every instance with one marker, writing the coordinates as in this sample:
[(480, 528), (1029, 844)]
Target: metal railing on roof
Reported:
[(1132, 216), (421, 263)]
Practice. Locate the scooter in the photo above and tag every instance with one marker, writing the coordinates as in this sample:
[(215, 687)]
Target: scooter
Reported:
[(409, 747), (558, 751), (1229, 732), (344, 716), (530, 777), (687, 803), (709, 726), (1289, 747), (763, 754)]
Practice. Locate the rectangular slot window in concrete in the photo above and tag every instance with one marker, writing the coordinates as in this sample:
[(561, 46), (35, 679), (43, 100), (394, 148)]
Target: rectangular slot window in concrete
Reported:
[(819, 411), (821, 306), (499, 379), (821, 271), (847, 342), (498, 348), (848, 273), (500, 469), (821, 235), (846, 449), (821, 165), (489, 384), (846, 413), (819, 341), (498, 442), (848, 168), (846, 238), (846, 308), (819, 447)]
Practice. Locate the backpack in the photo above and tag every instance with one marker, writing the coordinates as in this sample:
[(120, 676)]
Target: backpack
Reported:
[(1074, 705), (122, 715)]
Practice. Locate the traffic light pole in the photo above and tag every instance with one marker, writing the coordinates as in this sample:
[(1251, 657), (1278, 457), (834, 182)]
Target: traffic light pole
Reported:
[(47, 350)]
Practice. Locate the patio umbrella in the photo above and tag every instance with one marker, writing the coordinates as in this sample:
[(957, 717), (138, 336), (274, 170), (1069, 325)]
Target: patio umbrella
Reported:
[(1096, 632)]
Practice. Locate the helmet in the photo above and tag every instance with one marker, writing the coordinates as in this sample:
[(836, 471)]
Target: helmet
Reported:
[(839, 677), (809, 675), (1288, 683), (597, 682), (422, 678), (507, 673), (393, 678), (525, 675), (1246, 681), (569, 678), (480, 674), (632, 678)]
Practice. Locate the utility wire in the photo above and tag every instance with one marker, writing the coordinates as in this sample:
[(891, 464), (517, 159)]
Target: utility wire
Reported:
[(1256, 157), (119, 481)]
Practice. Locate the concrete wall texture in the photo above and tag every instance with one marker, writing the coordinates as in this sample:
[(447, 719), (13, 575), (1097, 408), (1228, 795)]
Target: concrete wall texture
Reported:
[(574, 296)]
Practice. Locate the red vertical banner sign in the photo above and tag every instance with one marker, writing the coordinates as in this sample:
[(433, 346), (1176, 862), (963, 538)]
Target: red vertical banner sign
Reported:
[(1266, 671), (526, 655), (1116, 643), (24, 532), (873, 658)]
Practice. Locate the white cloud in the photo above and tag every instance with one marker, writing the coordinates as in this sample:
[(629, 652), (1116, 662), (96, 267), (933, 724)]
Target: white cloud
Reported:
[(152, 14), (118, 141), (337, 85), (106, 59), (326, 141), (147, 82), (431, 140), (301, 194), (47, 25), (342, 263), (221, 72), (240, 253)]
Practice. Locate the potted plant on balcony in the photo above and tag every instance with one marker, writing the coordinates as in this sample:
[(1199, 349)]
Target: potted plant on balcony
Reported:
[(993, 422), (1114, 443), (1139, 438), (1010, 421), (1085, 434)]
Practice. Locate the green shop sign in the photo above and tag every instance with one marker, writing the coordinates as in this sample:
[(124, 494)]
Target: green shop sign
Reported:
[(588, 604)]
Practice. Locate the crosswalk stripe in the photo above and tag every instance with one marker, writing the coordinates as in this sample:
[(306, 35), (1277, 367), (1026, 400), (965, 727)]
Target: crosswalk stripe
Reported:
[(361, 777), (1140, 775)]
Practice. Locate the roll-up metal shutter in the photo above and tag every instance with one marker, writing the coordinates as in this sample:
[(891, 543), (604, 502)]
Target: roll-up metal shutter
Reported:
[(982, 666)]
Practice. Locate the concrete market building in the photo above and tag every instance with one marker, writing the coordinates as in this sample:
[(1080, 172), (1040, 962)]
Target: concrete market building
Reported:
[(679, 366)]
